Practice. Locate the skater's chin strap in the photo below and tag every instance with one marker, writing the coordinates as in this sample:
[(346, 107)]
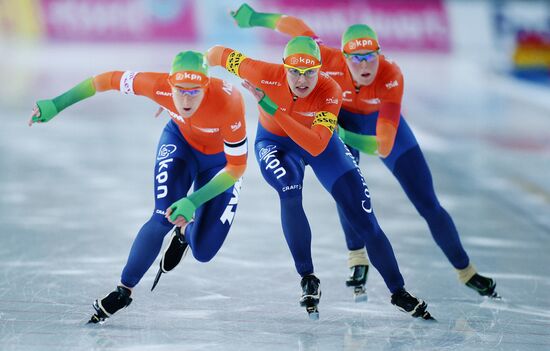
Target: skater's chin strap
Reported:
[(465, 274)]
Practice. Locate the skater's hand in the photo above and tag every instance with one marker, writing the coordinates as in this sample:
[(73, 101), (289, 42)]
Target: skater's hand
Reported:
[(243, 15), (264, 101), (35, 117), (257, 92), (42, 112), (180, 212), (180, 221)]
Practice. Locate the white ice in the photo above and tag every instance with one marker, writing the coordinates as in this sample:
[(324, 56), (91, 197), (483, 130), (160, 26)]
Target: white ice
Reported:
[(74, 192)]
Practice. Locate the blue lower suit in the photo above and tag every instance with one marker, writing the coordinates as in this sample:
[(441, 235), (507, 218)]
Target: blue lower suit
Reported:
[(409, 167), (177, 166), (282, 163)]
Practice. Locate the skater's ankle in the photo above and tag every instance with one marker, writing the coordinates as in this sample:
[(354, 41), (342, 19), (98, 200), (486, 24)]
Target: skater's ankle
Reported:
[(398, 290), (465, 274), (125, 287), (357, 258)]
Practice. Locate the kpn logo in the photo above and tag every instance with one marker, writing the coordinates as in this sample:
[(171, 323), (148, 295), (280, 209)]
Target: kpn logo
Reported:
[(188, 76), (300, 60), (358, 43)]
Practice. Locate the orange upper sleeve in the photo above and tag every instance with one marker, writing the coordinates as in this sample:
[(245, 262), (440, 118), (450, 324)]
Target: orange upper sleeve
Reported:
[(255, 70), (244, 67), (142, 83), (234, 136), (390, 91), (315, 139), (390, 84), (389, 112), (129, 82), (294, 27)]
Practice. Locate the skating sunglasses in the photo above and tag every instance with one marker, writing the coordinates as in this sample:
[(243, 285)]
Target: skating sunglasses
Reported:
[(306, 72), (189, 92), (358, 58)]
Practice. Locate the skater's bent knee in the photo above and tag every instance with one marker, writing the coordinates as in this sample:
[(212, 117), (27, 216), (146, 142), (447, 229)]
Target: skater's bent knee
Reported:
[(203, 256)]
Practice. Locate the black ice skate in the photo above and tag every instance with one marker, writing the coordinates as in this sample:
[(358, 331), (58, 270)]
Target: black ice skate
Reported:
[(117, 300), (311, 293), (483, 285), (357, 280), (173, 254), (410, 304)]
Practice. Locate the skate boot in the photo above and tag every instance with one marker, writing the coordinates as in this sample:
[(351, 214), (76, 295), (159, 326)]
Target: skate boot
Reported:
[(410, 304), (357, 280), (176, 250), (483, 285), (117, 300), (311, 293)]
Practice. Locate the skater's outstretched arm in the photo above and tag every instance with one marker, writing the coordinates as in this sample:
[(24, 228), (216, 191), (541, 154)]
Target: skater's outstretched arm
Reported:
[(386, 128), (247, 17), (47, 109), (313, 139), (144, 83)]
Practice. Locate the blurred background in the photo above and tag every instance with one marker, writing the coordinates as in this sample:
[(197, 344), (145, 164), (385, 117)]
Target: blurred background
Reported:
[(74, 191), (511, 37)]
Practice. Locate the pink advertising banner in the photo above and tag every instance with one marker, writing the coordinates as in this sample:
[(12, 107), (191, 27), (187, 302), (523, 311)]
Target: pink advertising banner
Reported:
[(119, 20), (417, 25)]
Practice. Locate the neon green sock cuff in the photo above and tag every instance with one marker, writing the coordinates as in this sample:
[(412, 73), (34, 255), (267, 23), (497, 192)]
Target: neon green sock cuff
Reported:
[(80, 92), (213, 188)]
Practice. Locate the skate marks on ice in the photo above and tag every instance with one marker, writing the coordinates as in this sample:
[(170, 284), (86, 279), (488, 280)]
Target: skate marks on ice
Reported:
[(480, 329), (53, 267)]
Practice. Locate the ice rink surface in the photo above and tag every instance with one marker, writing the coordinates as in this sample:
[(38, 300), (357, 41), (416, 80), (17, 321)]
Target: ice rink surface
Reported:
[(74, 192)]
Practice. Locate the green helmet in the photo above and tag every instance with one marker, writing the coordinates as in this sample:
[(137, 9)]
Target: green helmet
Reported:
[(302, 45), (190, 61), (359, 37)]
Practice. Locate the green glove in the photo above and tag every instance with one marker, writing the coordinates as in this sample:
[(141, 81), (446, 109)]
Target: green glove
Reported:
[(47, 111), (186, 206), (246, 17), (242, 15), (50, 108), (364, 143), (183, 207)]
